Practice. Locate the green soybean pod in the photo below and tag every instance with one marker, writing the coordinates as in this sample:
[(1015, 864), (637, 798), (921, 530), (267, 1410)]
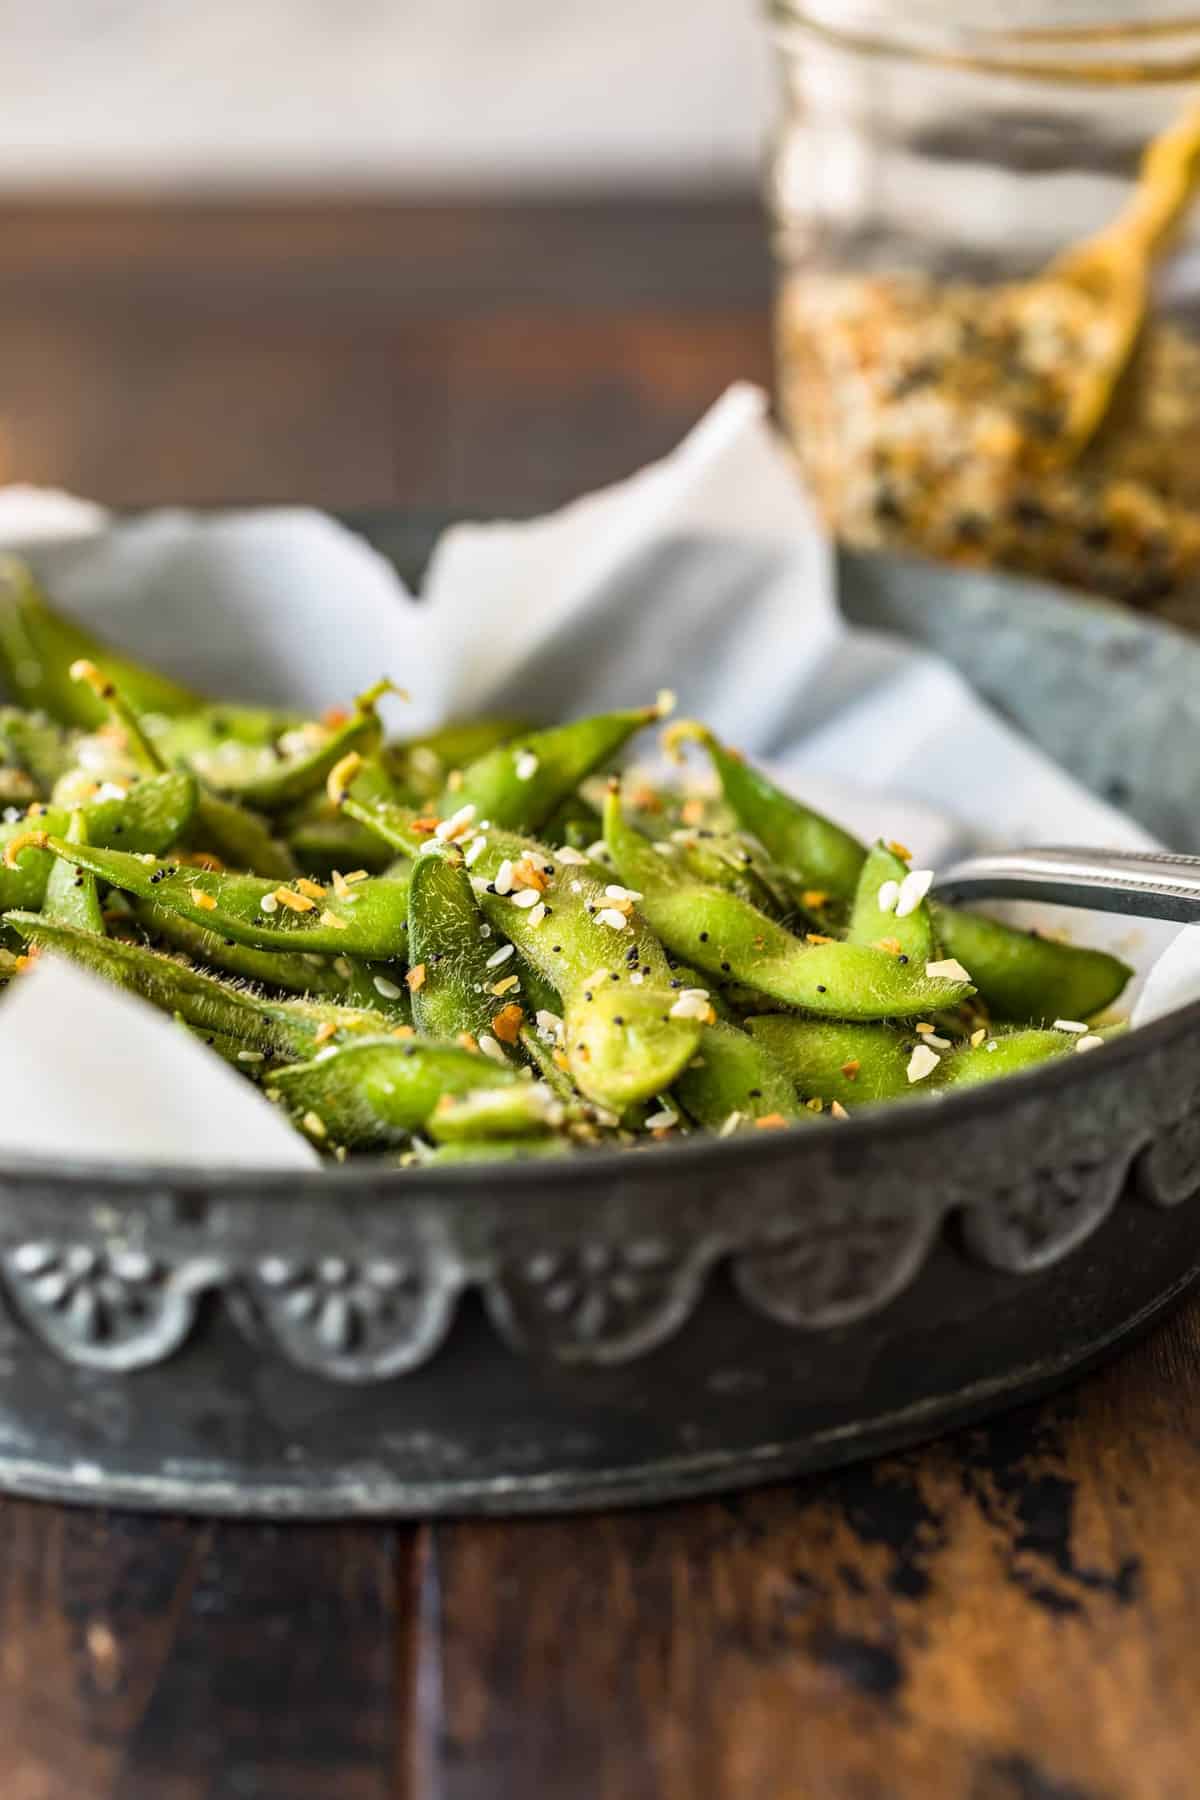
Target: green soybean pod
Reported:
[(454, 968), (278, 1028), (72, 897), (376, 1092), (1021, 976), (832, 1059), (371, 924), (729, 939), (889, 904), (734, 1075), (814, 851)]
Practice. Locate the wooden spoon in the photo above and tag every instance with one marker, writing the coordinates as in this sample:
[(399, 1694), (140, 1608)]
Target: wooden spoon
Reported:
[(1095, 295)]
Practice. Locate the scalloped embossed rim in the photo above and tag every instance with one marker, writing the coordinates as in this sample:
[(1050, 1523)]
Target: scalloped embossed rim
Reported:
[(883, 1123)]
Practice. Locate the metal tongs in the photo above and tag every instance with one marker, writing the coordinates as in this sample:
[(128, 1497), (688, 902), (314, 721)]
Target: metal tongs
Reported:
[(1145, 884)]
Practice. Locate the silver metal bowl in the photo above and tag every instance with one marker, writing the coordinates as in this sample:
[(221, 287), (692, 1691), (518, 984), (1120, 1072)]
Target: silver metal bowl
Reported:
[(629, 1327)]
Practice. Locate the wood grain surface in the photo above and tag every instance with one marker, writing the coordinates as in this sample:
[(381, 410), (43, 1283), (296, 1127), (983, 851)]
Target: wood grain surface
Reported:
[(1011, 1614)]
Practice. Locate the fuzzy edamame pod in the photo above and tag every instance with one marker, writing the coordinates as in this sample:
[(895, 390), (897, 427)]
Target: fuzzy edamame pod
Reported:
[(34, 743), (378, 1091), (724, 936), (484, 1151), (1021, 976), (366, 920), (419, 766), (295, 973), (38, 646), (628, 1028), (275, 1028), (519, 786), (812, 850), (72, 897), (241, 838), (455, 971), (733, 1074), (834, 1059), (889, 903), (1006, 1053), (527, 1109), (150, 817), (292, 773)]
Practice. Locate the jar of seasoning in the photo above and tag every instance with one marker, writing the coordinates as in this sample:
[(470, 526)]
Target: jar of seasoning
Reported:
[(952, 381)]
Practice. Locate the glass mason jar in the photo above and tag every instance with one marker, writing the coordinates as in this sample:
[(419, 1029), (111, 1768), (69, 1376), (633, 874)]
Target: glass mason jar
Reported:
[(931, 163)]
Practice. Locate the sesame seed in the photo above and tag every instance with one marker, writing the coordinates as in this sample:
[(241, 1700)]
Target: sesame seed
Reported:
[(608, 915), (474, 851), (570, 856), (500, 956), (268, 904), (457, 825), (387, 990), (913, 889), (615, 892), (537, 913), (1090, 1042), (526, 765), (730, 1125), (250, 1056), (527, 897), (922, 1063), (1069, 1025), (692, 1004), (838, 1111), (949, 969), (490, 1047), (504, 877)]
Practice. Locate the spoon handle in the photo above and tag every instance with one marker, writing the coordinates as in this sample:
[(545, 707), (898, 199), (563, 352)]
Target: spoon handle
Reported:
[(1146, 884)]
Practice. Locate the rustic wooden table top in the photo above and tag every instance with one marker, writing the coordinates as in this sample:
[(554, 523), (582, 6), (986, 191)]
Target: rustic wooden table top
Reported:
[(1010, 1614)]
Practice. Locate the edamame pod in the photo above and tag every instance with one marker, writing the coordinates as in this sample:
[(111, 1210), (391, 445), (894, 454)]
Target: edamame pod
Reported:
[(377, 1092), (421, 765), (276, 1028), (528, 1109), (733, 1076), (832, 1059), (890, 905), (629, 1028), (365, 920), (724, 936), (150, 817), (813, 851), (71, 894), (38, 647), (456, 971), (1022, 976), (518, 786), (294, 972)]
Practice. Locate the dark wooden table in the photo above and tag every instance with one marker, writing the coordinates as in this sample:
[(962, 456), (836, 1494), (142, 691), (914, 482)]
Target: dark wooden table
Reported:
[(1012, 1614)]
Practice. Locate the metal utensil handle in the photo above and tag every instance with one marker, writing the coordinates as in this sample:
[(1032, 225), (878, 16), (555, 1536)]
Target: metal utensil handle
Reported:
[(1146, 884)]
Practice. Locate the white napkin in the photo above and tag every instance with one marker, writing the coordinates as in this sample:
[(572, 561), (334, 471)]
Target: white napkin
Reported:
[(705, 573)]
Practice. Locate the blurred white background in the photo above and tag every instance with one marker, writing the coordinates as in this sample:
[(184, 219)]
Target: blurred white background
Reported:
[(427, 93)]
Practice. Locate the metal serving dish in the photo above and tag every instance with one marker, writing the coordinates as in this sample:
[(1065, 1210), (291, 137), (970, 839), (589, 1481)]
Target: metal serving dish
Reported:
[(624, 1328)]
